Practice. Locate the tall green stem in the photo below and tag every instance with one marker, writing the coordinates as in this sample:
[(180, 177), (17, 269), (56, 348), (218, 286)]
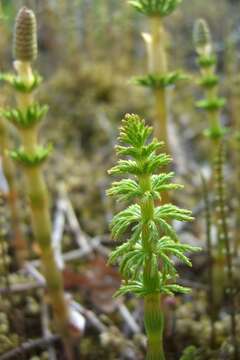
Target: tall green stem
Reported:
[(224, 240), (209, 83), (40, 214), (153, 315), (39, 204), (160, 127), (154, 325), (157, 63), (212, 309)]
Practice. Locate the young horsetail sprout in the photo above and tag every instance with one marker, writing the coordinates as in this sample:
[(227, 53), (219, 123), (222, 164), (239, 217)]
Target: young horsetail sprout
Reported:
[(19, 244), (31, 156), (213, 104), (158, 77), (145, 258)]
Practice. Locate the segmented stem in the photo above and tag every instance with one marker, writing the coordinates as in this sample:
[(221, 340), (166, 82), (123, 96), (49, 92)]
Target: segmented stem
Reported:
[(154, 325), (223, 238), (39, 204), (215, 132), (220, 199), (213, 104), (208, 220), (25, 50), (153, 315), (158, 66)]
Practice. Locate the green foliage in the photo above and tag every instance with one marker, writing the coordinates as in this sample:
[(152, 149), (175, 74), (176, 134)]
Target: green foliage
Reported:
[(129, 189), (190, 353), (26, 119), (209, 81), (216, 133), (145, 185), (211, 104), (31, 160), (19, 85), (155, 7), (160, 81), (206, 61), (137, 288)]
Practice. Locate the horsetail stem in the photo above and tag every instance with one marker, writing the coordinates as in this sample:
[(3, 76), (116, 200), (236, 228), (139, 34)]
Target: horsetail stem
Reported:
[(158, 77), (153, 314), (208, 220), (31, 156), (213, 104), (224, 238), (145, 258), (159, 66)]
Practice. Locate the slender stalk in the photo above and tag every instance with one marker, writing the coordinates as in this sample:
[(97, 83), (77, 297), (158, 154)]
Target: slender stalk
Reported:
[(19, 244), (39, 204), (212, 105), (153, 315), (158, 77), (219, 254), (154, 325), (160, 127), (223, 234), (31, 156), (212, 309), (157, 64), (40, 214)]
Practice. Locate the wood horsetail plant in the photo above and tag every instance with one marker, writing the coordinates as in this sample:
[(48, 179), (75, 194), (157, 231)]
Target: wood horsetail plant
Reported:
[(31, 156), (213, 104), (209, 80), (145, 258), (18, 243), (158, 77)]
